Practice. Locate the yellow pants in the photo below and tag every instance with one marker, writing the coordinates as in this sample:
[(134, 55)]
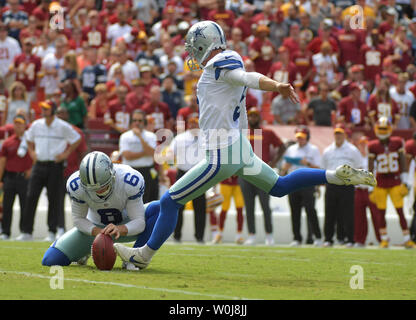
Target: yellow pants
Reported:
[(229, 191), (396, 193)]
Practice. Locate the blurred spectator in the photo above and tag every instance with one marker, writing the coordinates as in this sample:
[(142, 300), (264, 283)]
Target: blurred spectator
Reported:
[(41, 12), (128, 67), (266, 16), (325, 35), (43, 47), (292, 41), (261, 50), (147, 77), (285, 111), (121, 27), (327, 8), (303, 154), (304, 64), (322, 108), (74, 104), (158, 110), (94, 33), (306, 31), (137, 147), (171, 72), (31, 30), (354, 78), (326, 64), (170, 55), (350, 41), (352, 111), (15, 167), (93, 74), (145, 10), (172, 96), (9, 49), (118, 113), (138, 96), (14, 18), (53, 67), (278, 29), (404, 99), (313, 17), (221, 15), (388, 25), (190, 111), (372, 56), (402, 52), (117, 81), (99, 105), (27, 67), (236, 43), (71, 70), (270, 151), (147, 56), (245, 21), (283, 70), (381, 104), (17, 100), (388, 72)]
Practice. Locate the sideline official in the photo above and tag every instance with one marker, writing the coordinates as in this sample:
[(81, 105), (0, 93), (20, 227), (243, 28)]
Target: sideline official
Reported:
[(339, 200), (137, 147), (47, 141)]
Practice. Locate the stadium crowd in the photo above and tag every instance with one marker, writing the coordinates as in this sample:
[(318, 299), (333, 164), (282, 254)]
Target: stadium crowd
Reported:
[(350, 62)]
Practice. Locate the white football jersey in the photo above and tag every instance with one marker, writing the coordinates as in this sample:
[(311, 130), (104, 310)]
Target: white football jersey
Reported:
[(221, 105), (404, 102), (128, 185)]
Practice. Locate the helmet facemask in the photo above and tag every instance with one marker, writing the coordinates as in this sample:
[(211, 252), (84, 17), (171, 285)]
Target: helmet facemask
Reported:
[(201, 40)]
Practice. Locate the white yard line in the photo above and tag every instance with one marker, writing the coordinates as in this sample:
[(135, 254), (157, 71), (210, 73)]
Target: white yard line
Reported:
[(236, 256), (125, 285)]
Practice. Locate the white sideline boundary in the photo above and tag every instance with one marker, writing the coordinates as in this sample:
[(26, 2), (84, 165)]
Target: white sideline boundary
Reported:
[(125, 285)]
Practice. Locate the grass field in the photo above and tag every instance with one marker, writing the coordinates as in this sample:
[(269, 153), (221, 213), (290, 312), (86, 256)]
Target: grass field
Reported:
[(194, 272)]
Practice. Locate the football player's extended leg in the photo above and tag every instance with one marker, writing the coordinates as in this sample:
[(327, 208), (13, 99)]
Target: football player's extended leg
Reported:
[(195, 182), (151, 215)]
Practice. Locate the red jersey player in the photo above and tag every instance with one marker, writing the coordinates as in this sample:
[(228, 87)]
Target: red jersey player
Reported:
[(410, 149), (386, 155), (381, 104)]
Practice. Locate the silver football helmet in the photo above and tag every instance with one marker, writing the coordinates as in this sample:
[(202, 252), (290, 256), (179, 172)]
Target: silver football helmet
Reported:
[(201, 39), (97, 175)]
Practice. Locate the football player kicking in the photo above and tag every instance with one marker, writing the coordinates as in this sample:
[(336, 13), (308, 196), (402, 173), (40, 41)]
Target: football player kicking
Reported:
[(221, 93), (105, 198), (386, 154)]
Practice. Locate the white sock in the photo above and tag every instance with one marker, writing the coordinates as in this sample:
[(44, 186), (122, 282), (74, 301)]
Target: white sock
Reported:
[(332, 178), (384, 237), (406, 237), (147, 252)]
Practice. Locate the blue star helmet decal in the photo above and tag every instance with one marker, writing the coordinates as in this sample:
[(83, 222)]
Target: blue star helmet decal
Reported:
[(198, 32)]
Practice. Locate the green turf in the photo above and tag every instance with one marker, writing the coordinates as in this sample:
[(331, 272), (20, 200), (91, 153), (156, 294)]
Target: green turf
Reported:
[(195, 272)]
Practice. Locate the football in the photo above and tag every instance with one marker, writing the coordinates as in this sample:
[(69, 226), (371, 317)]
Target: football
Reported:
[(102, 252)]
